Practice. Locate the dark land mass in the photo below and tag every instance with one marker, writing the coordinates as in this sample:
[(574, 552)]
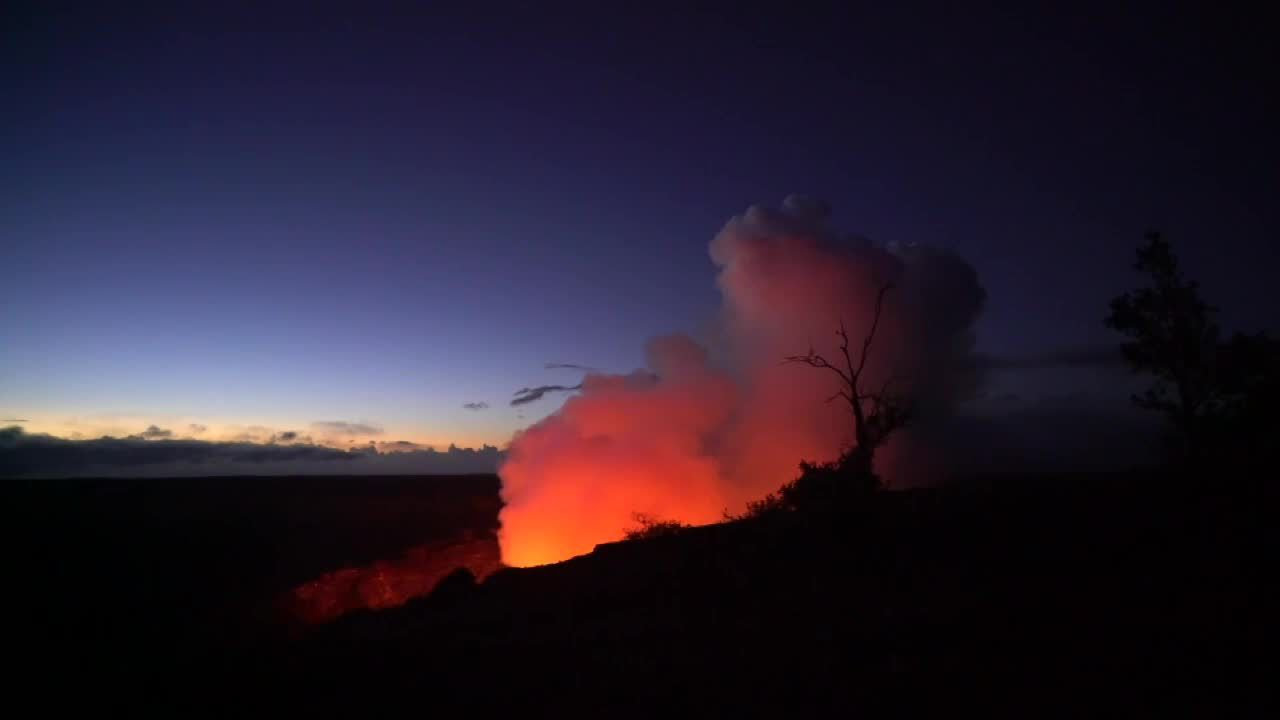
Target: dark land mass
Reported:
[(140, 586), (1106, 594)]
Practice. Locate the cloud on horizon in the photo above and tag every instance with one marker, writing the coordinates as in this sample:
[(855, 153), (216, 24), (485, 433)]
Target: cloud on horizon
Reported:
[(26, 455), (342, 427), (398, 446), (252, 434), (154, 432)]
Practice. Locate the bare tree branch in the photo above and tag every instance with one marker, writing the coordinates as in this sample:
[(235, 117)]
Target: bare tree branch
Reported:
[(871, 335), (815, 360), (841, 394), (875, 414)]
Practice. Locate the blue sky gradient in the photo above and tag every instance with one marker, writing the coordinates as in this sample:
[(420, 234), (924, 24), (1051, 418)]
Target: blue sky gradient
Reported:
[(268, 218)]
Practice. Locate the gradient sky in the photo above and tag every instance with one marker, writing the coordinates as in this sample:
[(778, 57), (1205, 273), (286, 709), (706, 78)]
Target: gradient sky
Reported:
[(275, 218)]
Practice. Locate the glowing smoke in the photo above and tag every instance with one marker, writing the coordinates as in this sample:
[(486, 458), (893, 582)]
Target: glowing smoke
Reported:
[(706, 428)]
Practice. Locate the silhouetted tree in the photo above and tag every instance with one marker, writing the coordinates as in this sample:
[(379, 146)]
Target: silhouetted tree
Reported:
[(876, 414), (1218, 396), (1173, 337)]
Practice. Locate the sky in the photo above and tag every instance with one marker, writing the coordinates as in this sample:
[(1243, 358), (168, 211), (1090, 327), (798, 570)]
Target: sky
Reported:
[(264, 220)]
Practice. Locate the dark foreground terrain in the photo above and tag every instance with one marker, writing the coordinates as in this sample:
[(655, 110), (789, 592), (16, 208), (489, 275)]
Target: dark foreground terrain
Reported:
[(146, 588), (1100, 595)]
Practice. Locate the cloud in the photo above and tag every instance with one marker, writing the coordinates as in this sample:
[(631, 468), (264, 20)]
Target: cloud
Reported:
[(476, 405), (1093, 356), (524, 396), (254, 434), (286, 436), (14, 420), (341, 427), (197, 428), (397, 459), (571, 366), (153, 432), (398, 446), (44, 456)]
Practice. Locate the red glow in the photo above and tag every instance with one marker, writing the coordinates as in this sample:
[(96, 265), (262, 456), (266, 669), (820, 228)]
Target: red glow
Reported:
[(388, 584), (708, 427)]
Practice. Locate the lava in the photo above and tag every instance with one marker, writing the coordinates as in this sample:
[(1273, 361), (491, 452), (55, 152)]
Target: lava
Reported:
[(388, 584)]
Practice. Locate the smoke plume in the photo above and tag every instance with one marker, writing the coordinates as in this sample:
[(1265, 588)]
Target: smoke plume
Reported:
[(705, 427)]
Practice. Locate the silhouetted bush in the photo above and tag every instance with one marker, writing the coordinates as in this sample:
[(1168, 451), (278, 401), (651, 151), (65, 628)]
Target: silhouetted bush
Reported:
[(649, 526), (456, 587), (820, 487), (767, 506)]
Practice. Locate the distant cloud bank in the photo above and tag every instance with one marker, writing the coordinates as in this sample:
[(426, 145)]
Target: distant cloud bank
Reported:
[(154, 453), (153, 432), (341, 427)]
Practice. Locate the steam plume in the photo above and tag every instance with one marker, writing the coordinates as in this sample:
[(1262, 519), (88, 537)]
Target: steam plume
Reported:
[(706, 427)]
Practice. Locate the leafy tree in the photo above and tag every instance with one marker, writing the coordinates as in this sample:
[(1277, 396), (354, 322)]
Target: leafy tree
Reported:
[(1173, 337), (1218, 396)]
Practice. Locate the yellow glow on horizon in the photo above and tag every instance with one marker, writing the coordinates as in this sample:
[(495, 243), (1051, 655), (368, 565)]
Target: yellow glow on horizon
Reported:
[(94, 426)]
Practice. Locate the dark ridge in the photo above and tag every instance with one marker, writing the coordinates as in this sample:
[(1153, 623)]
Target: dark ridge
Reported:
[(1124, 593)]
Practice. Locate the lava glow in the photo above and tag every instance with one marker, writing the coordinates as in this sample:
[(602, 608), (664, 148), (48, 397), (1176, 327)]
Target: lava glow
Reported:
[(707, 427), (388, 584)]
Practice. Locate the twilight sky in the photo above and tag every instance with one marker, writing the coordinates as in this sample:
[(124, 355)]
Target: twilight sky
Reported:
[(278, 221)]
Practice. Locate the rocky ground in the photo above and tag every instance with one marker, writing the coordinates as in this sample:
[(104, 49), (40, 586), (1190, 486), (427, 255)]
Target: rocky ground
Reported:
[(1027, 596)]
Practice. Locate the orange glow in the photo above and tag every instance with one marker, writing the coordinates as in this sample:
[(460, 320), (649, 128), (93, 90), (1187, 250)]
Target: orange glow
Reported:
[(698, 433), (388, 584), (628, 444)]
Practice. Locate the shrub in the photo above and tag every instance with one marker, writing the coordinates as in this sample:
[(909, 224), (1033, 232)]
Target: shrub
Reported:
[(648, 526), (820, 487)]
